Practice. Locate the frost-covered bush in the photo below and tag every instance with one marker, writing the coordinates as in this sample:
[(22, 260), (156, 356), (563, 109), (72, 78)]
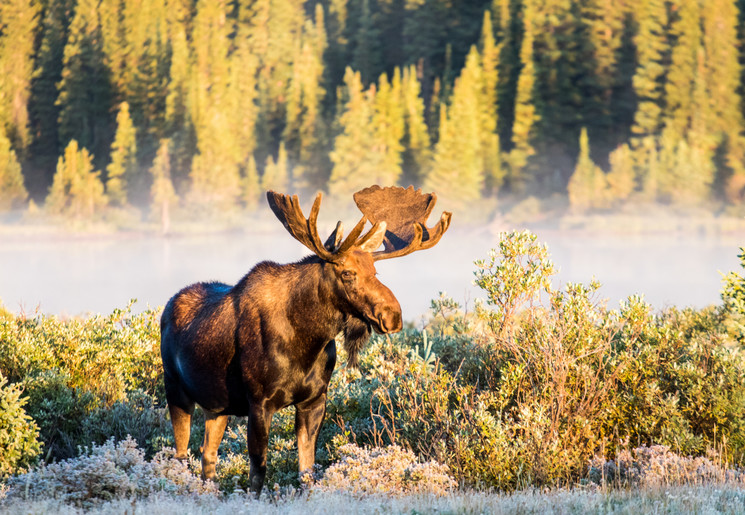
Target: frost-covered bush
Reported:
[(107, 472), (19, 444), (390, 470), (657, 465)]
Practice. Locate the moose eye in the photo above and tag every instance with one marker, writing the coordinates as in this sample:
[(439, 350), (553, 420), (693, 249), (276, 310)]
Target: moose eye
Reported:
[(347, 275)]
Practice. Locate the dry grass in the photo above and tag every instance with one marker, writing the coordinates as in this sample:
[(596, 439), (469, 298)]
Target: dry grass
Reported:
[(717, 498)]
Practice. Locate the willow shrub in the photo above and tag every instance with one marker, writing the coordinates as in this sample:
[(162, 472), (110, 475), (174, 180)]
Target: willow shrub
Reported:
[(539, 380), (87, 379)]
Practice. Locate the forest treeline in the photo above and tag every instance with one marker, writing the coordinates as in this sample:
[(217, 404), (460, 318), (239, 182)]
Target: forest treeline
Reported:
[(155, 103)]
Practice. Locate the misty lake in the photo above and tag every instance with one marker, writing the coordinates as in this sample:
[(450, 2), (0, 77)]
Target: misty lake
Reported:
[(79, 275)]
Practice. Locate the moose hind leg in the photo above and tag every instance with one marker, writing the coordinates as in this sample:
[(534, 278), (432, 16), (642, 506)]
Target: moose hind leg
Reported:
[(308, 419), (214, 429), (181, 421), (259, 420)]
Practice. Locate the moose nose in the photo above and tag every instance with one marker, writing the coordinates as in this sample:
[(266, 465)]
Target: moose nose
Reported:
[(390, 320)]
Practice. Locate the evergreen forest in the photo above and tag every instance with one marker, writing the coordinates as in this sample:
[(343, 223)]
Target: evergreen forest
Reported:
[(151, 104)]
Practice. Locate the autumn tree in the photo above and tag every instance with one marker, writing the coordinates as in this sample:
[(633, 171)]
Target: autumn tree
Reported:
[(77, 190), (162, 194), (123, 167), (525, 116), (12, 190), (19, 20), (587, 186), (458, 167)]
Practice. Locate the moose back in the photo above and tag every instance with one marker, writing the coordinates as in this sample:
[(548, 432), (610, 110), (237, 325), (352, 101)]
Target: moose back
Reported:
[(268, 342)]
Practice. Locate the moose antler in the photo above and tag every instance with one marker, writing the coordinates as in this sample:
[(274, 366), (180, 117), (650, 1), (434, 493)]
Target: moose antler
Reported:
[(405, 211), (305, 230)]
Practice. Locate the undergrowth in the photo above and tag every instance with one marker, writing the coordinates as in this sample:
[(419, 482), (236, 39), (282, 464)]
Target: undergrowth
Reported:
[(538, 386)]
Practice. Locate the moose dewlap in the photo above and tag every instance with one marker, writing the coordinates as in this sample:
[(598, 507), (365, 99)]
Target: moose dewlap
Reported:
[(268, 342)]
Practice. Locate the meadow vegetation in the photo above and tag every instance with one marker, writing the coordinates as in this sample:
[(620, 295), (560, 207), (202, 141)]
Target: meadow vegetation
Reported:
[(535, 387)]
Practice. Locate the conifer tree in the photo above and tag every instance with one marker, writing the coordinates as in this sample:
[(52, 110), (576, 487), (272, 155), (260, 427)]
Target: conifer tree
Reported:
[(723, 71), (687, 171), (679, 86), (123, 166), (77, 190), (587, 186), (458, 168), (416, 143), (304, 129), (85, 91), (276, 173), (12, 190), (162, 194), (525, 109), (215, 173), (388, 128), (621, 178), (355, 162), (19, 20), (489, 112), (179, 126), (251, 188), (651, 44), (366, 56), (42, 106)]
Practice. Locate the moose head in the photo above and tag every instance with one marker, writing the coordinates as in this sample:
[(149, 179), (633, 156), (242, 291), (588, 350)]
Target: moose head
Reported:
[(398, 218)]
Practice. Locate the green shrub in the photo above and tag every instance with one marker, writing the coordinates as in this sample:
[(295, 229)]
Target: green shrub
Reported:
[(733, 297), (19, 444), (82, 377)]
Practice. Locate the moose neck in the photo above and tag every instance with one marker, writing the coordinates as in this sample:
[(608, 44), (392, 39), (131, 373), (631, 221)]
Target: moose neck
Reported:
[(314, 310)]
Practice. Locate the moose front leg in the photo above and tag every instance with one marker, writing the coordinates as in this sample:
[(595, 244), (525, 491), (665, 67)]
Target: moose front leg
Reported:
[(308, 419), (259, 420)]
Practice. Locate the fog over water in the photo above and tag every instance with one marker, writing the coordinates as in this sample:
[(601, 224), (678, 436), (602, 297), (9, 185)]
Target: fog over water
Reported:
[(78, 275)]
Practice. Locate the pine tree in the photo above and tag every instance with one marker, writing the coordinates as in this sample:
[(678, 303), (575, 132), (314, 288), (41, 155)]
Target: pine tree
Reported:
[(621, 178), (723, 71), (356, 163), (251, 188), (687, 171), (179, 127), (85, 92), (77, 191), (587, 186), (652, 45), (123, 166), (679, 88), (42, 106), (12, 190), (489, 112), (19, 21), (457, 172), (366, 57), (215, 173), (388, 128), (304, 129), (416, 143), (162, 193), (276, 173), (525, 109)]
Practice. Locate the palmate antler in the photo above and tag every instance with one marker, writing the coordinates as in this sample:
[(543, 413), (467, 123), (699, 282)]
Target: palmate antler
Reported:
[(405, 212), (398, 215), (305, 230)]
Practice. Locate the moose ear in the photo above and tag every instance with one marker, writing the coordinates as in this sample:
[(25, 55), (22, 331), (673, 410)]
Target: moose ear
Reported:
[(333, 242), (374, 239)]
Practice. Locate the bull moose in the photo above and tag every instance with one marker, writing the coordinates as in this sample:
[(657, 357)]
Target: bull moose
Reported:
[(269, 341)]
